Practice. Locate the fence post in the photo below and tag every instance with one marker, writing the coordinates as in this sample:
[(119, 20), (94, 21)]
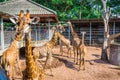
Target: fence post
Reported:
[(114, 27), (90, 33), (2, 33)]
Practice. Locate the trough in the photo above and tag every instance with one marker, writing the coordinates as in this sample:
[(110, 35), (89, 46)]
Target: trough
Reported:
[(114, 54)]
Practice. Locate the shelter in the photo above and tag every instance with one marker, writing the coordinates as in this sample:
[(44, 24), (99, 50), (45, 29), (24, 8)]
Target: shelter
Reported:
[(2, 15), (94, 29), (12, 8)]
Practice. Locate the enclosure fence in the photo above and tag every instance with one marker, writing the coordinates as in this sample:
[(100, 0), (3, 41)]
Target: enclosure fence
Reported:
[(40, 34)]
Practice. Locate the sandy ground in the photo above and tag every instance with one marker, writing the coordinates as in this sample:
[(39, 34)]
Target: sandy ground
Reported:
[(96, 69)]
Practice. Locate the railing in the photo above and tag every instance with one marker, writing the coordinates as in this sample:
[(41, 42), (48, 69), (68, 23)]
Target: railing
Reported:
[(37, 36)]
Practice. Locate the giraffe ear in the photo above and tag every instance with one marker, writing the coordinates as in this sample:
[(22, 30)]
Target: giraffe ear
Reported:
[(13, 19), (34, 20)]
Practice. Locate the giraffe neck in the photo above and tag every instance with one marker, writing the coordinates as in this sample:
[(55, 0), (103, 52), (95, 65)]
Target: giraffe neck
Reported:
[(30, 64), (14, 44), (71, 28), (53, 40), (74, 34)]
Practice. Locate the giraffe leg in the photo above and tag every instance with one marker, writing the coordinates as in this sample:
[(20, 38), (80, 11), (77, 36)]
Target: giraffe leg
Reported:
[(51, 71), (45, 64), (18, 64), (48, 59), (77, 57), (80, 62), (68, 52), (74, 53), (50, 62), (10, 73), (83, 62), (61, 50)]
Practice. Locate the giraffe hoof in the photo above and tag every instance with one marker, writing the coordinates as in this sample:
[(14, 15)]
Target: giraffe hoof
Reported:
[(76, 63), (78, 69), (52, 75), (83, 69)]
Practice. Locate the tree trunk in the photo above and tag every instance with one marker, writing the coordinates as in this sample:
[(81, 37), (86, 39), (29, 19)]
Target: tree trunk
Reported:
[(105, 51)]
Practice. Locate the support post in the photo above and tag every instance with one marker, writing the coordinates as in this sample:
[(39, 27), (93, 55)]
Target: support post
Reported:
[(2, 33), (114, 27), (36, 34), (113, 30), (90, 33), (49, 28)]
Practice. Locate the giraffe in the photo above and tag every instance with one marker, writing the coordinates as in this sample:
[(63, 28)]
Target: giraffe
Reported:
[(11, 55), (83, 51), (45, 51), (32, 71), (8, 59), (75, 42), (66, 42)]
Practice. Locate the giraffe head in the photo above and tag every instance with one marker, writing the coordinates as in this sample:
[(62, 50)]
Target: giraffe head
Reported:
[(23, 24), (60, 28), (69, 23)]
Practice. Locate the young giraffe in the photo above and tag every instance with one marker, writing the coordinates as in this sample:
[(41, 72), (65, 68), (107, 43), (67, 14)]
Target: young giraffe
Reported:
[(83, 51), (45, 51), (32, 71), (66, 42), (12, 54), (75, 42)]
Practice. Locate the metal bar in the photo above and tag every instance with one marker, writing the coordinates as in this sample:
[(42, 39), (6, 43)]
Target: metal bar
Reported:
[(90, 33), (114, 27), (69, 33), (36, 33)]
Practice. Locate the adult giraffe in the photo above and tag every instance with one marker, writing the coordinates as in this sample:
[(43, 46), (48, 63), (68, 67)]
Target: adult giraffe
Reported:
[(11, 55), (32, 71), (75, 42)]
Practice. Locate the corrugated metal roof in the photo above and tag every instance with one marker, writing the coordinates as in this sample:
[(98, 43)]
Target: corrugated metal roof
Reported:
[(14, 7)]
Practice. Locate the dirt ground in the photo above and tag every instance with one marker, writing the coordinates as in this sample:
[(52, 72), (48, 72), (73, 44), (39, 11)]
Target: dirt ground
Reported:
[(96, 69)]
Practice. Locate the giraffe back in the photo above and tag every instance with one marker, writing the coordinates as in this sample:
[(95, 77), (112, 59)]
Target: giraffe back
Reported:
[(42, 51)]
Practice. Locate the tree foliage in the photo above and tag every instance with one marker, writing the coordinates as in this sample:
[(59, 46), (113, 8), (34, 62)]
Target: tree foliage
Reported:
[(79, 9)]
